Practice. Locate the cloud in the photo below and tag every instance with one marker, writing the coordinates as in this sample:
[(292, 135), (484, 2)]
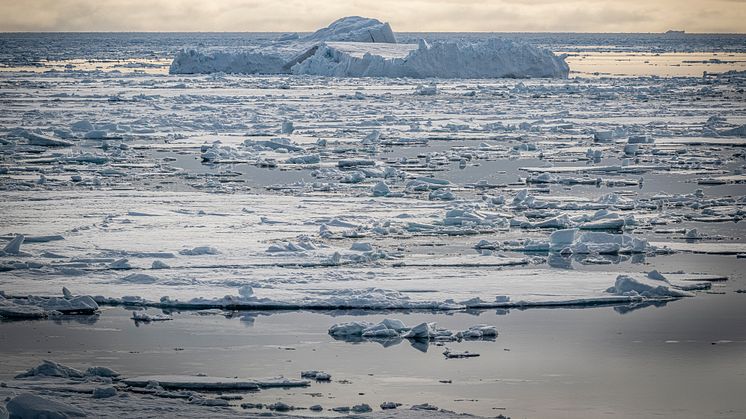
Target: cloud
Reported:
[(412, 15)]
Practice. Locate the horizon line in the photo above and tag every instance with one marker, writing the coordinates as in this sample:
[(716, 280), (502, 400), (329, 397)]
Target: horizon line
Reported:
[(284, 32)]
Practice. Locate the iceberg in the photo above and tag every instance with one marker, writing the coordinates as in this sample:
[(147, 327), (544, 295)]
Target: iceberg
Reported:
[(279, 56), (490, 58), (362, 47)]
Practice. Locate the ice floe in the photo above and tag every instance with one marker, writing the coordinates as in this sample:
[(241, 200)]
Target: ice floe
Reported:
[(394, 328), (28, 405)]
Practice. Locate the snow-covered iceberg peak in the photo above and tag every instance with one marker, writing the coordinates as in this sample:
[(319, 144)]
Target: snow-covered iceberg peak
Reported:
[(355, 29)]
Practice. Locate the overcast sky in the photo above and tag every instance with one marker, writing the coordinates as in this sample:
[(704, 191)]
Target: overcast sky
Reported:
[(404, 15)]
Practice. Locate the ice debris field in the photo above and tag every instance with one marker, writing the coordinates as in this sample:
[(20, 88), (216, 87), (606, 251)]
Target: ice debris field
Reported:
[(347, 170)]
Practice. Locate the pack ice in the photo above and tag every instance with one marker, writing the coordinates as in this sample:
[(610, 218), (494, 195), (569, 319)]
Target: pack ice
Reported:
[(362, 47)]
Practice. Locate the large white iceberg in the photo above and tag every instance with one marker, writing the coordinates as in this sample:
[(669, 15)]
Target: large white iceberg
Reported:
[(490, 58), (362, 47), (278, 57)]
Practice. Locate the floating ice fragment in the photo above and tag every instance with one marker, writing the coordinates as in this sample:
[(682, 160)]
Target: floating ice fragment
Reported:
[(28, 405), (562, 238), (51, 369), (84, 126), (157, 264), (140, 279), (147, 318), (735, 132), (44, 140), (453, 354), (200, 250), (349, 328), (380, 189), (246, 291), (121, 264), (104, 392), (421, 331), (211, 383), (692, 234), (316, 375), (96, 134), (101, 372), (442, 195), (654, 274), (361, 247), (287, 127), (361, 408), (632, 286), (304, 159), (426, 90), (14, 246)]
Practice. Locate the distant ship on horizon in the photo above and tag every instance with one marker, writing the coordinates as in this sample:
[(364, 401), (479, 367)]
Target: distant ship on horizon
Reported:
[(675, 32)]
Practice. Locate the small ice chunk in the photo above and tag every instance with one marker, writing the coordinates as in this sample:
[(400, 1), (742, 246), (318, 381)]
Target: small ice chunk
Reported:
[(101, 372), (104, 392), (640, 139), (46, 141), (465, 354), (147, 318), (379, 331), (361, 408), (394, 324), (246, 291), (96, 134), (51, 369), (349, 328), (82, 126), (361, 247), (692, 234), (479, 331), (157, 264), (631, 286), (372, 138), (304, 159), (654, 274), (280, 407), (421, 331), (198, 251), (28, 405), (426, 90), (140, 279), (380, 189), (14, 246), (316, 375), (122, 264), (287, 127), (441, 195), (603, 136), (562, 238)]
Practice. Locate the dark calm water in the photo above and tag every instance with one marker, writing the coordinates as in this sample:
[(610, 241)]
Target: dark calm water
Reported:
[(686, 359)]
